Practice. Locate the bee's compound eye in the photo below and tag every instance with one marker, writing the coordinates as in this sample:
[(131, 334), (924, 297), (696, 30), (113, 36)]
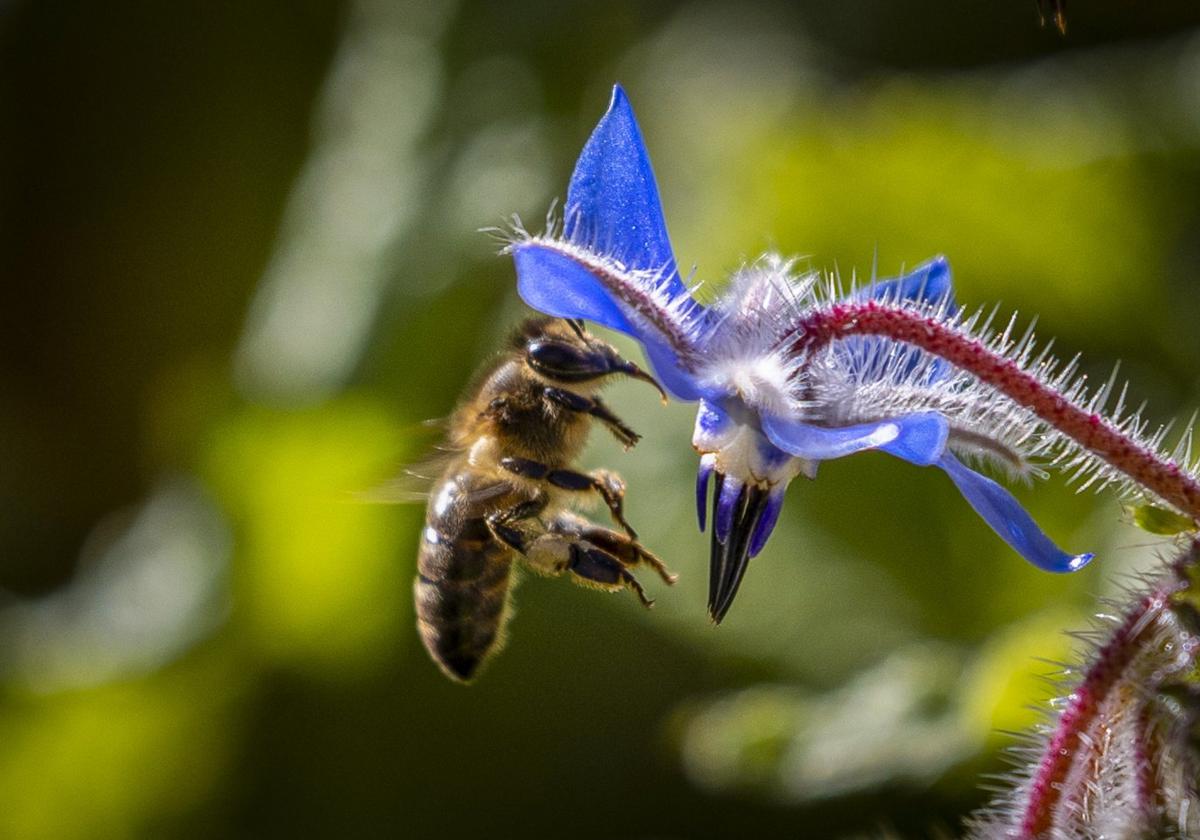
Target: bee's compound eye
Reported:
[(565, 362)]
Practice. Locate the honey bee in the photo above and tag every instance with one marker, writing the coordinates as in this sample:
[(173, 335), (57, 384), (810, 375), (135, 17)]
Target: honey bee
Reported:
[(507, 488)]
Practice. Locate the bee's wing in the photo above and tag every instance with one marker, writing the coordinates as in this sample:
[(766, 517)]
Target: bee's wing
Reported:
[(417, 479), (404, 489), (414, 481), (488, 492)]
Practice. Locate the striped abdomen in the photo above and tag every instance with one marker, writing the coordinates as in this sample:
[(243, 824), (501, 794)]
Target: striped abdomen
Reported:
[(462, 580)]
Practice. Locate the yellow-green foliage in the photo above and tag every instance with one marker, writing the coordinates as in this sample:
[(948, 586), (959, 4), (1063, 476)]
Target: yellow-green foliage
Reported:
[(321, 578)]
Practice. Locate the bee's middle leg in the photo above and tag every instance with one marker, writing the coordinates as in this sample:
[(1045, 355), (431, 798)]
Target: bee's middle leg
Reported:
[(608, 484)]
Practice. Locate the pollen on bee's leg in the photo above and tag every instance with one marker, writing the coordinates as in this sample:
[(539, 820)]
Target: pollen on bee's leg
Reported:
[(549, 554)]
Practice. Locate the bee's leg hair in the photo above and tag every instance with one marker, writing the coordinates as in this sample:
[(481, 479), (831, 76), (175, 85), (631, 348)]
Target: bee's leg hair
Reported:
[(606, 483), (594, 407)]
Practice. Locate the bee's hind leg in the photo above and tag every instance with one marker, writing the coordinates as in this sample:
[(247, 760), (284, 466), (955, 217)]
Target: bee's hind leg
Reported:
[(595, 556), (598, 567), (628, 551)]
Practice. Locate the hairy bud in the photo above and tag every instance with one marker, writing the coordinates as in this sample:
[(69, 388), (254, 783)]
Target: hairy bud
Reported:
[(1119, 756)]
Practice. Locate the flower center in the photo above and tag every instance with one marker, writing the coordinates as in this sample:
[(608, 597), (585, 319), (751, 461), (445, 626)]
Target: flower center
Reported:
[(759, 381), (730, 431)]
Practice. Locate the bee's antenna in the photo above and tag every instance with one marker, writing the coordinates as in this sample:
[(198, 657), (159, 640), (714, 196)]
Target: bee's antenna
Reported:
[(577, 326)]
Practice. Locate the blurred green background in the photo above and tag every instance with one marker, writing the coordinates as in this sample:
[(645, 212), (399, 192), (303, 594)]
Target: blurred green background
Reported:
[(241, 265)]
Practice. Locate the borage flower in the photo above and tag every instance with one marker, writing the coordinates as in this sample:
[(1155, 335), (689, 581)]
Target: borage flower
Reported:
[(779, 387)]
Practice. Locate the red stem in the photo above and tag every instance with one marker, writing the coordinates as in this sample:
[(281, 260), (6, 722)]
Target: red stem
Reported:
[(1091, 431), (1112, 663)]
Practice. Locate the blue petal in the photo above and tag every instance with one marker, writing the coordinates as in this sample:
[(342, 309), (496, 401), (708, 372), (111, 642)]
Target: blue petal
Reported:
[(1008, 519), (928, 283), (708, 463), (613, 212), (917, 438), (553, 282), (766, 522), (671, 375), (727, 502), (612, 202)]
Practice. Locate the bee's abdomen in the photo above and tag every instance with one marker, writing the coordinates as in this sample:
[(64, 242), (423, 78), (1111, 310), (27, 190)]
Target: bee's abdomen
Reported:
[(461, 593)]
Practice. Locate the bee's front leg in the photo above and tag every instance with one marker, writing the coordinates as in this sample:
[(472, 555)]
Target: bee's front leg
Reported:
[(595, 408), (605, 482)]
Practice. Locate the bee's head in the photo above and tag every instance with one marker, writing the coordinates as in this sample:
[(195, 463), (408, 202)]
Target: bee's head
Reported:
[(563, 352)]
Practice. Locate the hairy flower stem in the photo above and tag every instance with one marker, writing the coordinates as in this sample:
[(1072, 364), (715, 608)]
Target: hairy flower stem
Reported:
[(1082, 724), (1118, 761), (1090, 430)]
